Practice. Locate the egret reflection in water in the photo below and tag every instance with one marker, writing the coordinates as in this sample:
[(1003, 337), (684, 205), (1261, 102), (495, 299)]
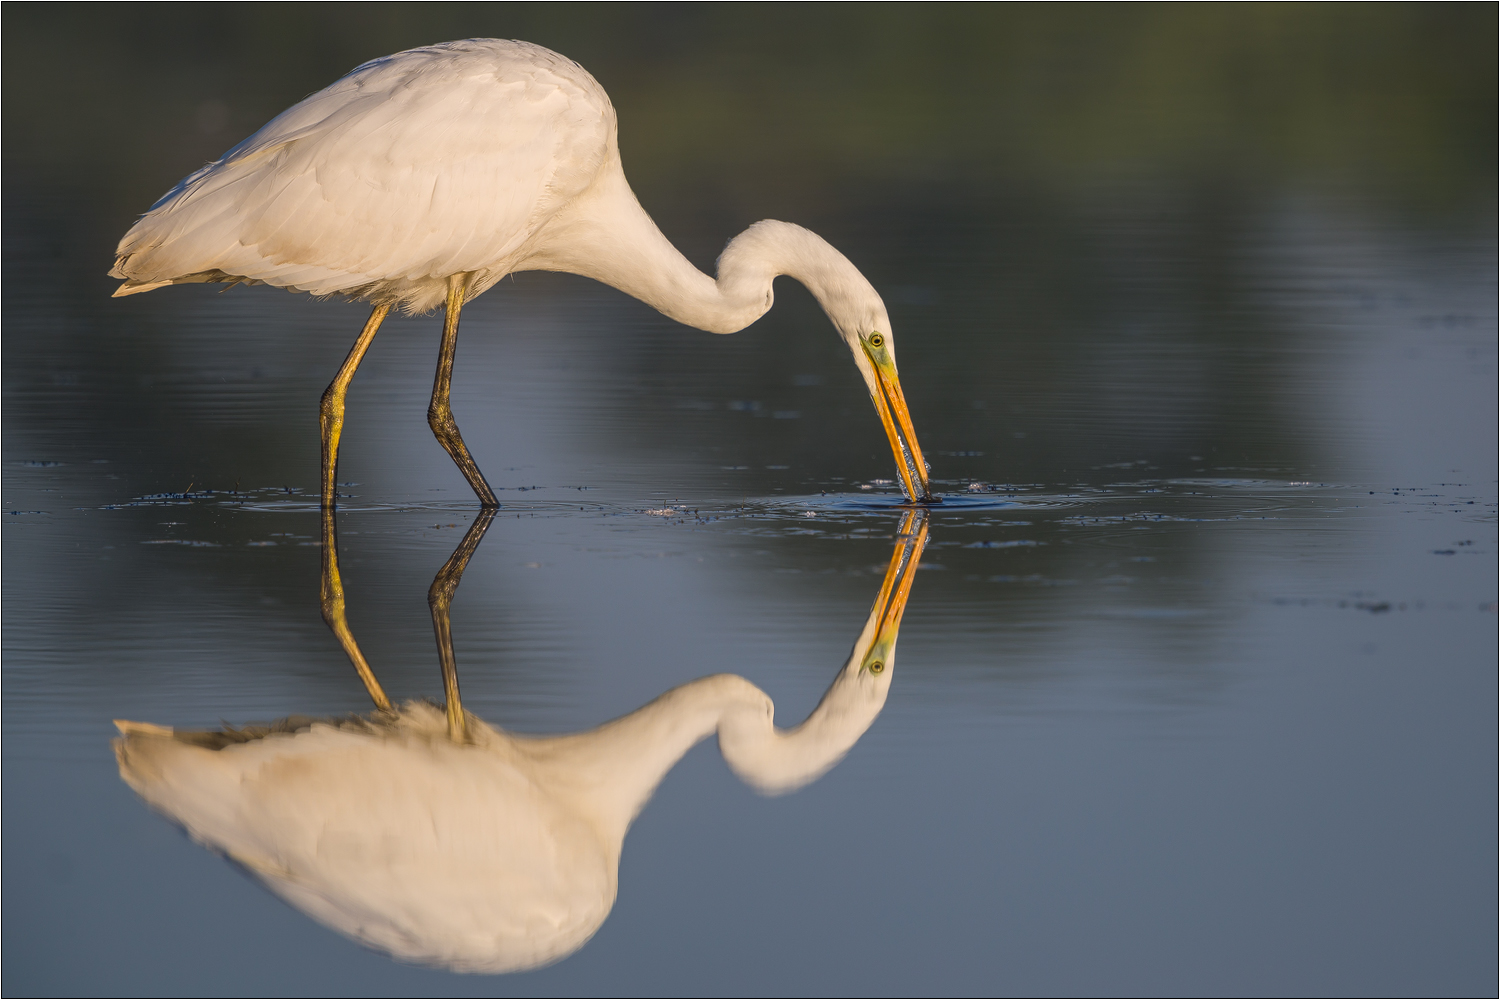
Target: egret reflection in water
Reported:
[(440, 839)]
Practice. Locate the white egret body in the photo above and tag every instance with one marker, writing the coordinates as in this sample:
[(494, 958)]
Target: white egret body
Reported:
[(426, 176), (500, 852)]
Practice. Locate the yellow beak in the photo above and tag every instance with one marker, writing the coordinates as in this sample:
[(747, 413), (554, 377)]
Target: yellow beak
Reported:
[(891, 405), (891, 603)]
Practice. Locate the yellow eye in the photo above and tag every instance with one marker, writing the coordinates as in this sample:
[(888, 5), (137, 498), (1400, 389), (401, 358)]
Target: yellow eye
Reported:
[(877, 340), (876, 667)]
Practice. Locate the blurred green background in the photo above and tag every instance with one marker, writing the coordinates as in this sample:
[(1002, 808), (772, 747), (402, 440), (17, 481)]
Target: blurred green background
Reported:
[(740, 107)]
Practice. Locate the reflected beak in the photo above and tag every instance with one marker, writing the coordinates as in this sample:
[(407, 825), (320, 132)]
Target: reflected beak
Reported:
[(894, 592), (891, 405)]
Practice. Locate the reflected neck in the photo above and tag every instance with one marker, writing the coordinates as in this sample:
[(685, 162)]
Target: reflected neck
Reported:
[(615, 769)]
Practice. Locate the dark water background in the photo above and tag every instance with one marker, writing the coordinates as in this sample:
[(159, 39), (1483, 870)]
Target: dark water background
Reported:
[(1196, 307)]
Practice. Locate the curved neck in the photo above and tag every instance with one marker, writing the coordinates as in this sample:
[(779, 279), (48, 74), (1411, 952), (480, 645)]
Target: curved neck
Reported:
[(604, 234), (613, 770), (775, 761)]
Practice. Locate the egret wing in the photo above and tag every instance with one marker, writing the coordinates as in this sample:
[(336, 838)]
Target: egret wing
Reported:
[(423, 164)]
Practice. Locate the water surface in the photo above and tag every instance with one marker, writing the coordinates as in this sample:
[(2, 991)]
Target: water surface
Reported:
[(1196, 682)]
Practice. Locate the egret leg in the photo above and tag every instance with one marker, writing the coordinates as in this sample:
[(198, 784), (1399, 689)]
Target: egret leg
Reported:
[(331, 597), (439, 413), (439, 599), (331, 412)]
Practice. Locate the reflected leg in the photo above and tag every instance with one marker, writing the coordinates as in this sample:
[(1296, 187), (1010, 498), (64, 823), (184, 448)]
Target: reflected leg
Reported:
[(331, 412), (439, 599), (439, 414), (331, 597)]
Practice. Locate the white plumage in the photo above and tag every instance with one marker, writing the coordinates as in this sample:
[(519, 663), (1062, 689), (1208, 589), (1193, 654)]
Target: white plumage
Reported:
[(436, 161), (430, 174)]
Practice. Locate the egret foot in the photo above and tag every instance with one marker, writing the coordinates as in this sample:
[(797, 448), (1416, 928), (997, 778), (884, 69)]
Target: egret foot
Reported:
[(331, 412), (439, 413)]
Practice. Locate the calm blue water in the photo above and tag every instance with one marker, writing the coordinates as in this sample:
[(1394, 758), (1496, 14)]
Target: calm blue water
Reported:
[(1196, 684)]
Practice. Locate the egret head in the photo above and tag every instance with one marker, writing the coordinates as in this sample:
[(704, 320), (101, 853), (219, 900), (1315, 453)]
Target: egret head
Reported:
[(875, 651), (874, 348), (755, 257)]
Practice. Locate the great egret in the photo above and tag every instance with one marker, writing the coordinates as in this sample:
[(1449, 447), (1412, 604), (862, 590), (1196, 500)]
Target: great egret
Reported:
[(476, 849), (426, 176)]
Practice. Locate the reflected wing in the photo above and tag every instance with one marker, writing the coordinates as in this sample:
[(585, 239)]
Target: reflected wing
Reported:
[(432, 852), (420, 165)]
